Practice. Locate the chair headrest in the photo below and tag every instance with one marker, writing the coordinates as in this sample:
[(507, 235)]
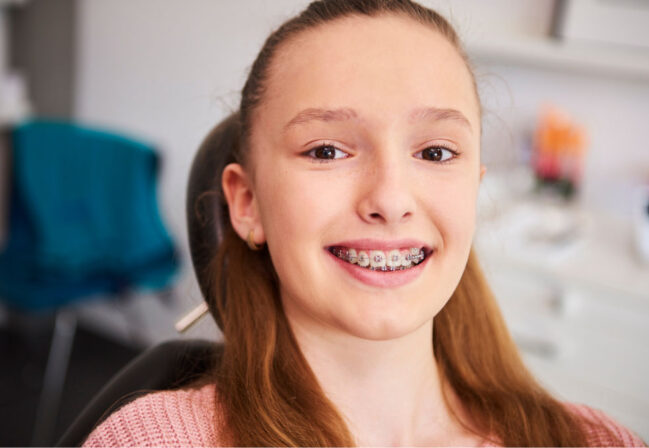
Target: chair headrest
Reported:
[(206, 208)]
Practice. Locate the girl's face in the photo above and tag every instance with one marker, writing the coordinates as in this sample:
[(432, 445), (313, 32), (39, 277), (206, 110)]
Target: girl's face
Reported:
[(365, 154)]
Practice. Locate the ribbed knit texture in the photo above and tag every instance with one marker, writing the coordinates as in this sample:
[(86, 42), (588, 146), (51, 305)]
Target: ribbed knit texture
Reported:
[(168, 418), (187, 418), (595, 422)]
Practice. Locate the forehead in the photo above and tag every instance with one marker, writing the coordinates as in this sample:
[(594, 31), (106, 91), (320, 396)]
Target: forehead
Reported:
[(380, 66)]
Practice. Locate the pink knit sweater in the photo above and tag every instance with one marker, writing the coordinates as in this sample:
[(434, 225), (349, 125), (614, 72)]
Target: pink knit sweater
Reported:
[(187, 418)]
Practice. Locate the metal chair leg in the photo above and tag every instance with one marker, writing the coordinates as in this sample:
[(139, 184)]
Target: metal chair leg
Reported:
[(54, 380)]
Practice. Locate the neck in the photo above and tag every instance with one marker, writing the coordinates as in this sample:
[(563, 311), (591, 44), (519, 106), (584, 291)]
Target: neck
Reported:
[(389, 392)]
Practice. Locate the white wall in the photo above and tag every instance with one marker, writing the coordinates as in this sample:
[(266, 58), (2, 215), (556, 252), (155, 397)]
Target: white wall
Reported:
[(168, 70)]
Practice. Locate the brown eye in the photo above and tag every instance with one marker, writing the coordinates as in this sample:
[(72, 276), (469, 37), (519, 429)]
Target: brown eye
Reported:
[(327, 152), (437, 154)]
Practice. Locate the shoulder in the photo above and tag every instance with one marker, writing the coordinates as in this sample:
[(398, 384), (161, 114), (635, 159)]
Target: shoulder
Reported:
[(178, 417), (603, 430)]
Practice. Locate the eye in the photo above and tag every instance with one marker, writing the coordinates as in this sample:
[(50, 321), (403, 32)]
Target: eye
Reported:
[(437, 154), (326, 152)]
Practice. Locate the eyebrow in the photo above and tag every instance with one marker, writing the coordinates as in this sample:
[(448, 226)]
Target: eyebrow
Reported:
[(312, 113), (345, 113), (437, 114)]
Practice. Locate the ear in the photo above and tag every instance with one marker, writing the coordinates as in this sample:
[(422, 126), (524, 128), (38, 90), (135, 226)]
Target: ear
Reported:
[(483, 169), (242, 203)]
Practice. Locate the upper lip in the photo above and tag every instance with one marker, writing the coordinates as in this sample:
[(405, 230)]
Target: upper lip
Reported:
[(380, 244)]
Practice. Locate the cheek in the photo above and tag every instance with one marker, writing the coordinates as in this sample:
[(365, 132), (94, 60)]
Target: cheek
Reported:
[(297, 211), (455, 215), (298, 205), (454, 209)]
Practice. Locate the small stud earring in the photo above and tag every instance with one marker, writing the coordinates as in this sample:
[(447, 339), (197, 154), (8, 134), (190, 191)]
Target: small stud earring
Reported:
[(251, 243)]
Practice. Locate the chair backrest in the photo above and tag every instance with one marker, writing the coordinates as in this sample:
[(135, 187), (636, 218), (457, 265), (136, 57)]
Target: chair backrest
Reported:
[(206, 209), (169, 365)]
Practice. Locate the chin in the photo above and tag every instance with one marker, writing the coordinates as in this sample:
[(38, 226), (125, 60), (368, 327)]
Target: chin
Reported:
[(388, 315), (376, 327)]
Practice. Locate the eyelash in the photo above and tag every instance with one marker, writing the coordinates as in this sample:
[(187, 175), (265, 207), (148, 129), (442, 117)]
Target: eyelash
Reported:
[(311, 153)]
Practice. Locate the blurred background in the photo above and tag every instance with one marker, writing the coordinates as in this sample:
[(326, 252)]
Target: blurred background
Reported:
[(133, 86)]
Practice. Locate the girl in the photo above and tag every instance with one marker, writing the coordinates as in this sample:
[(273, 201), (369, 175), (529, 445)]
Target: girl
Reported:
[(352, 307)]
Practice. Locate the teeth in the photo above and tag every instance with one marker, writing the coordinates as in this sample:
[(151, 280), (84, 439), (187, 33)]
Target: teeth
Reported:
[(416, 255), (379, 260), (405, 259), (394, 259), (363, 259)]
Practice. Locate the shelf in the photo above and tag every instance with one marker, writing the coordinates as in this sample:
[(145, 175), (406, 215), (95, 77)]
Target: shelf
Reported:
[(546, 53), (600, 257)]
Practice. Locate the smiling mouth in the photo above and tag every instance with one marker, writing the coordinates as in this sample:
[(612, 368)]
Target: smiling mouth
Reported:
[(379, 260)]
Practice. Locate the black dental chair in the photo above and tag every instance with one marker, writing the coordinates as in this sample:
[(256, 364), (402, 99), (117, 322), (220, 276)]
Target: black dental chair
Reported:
[(168, 365), (174, 363)]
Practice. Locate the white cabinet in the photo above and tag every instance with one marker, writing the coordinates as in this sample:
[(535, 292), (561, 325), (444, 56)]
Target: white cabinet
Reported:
[(580, 318)]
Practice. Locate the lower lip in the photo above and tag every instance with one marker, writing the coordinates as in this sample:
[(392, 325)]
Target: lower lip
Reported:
[(382, 279)]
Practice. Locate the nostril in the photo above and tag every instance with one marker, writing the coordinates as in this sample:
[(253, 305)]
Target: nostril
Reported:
[(375, 215)]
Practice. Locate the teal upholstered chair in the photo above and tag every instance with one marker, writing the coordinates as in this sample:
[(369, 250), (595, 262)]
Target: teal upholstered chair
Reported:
[(83, 222)]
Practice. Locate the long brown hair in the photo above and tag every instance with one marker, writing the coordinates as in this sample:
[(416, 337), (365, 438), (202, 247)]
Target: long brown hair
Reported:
[(266, 391)]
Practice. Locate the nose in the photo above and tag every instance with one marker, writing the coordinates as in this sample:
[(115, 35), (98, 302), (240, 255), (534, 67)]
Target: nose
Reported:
[(386, 194)]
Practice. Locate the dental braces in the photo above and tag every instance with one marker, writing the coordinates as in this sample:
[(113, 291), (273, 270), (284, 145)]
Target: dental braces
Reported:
[(413, 258)]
